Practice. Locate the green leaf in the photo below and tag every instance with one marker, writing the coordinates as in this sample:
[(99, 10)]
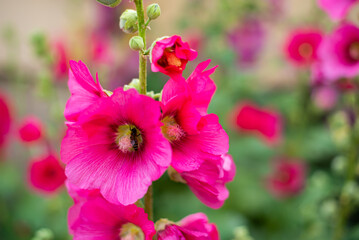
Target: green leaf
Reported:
[(110, 3)]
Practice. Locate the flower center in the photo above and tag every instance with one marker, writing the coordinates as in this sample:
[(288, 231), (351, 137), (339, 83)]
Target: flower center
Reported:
[(130, 231), (169, 58), (354, 51), (128, 138), (306, 50), (171, 129)]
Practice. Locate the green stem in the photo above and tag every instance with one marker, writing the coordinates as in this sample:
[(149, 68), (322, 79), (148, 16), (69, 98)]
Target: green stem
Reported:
[(143, 88), (345, 203), (142, 33)]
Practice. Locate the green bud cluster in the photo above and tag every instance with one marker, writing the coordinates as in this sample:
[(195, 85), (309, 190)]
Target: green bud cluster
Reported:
[(128, 21)]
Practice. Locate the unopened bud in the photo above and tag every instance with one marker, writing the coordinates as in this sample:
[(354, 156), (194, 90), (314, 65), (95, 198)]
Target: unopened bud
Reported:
[(135, 83), (128, 21), (43, 234), (153, 11), (110, 3), (136, 43), (339, 164)]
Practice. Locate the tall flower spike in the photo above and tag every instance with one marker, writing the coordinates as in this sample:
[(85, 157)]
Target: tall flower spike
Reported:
[(170, 56), (117, 146), (84, 90)]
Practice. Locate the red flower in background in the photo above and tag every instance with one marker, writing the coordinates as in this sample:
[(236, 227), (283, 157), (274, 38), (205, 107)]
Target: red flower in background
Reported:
[(287, 178), (5, 120), (31, 129), (46, 174), (61, 60), (170, 56), (251, 118), (302, 45)]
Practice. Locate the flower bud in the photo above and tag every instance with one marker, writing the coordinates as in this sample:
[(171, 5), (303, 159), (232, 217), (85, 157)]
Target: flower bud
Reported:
[(136, 43), (110, 3), (43, 234), (153, 11), (135, 83), (128, 21)]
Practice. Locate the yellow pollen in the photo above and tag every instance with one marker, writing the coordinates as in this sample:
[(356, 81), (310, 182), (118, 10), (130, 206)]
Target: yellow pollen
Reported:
[(171, 129), (128, 138), (130, 231)]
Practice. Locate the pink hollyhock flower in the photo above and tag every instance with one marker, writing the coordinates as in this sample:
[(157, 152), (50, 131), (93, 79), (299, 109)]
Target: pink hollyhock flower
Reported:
[(247, 40), (193, 136), (5, 120), (85, 91), (325, 97), (170, 56), (336, 9), (116, 146), (208, 181), (251, 118), (31, 129), (287, 179), (95, 218), (61, 60), (46, 174), (302, 45), (192, 227), (339, 53)]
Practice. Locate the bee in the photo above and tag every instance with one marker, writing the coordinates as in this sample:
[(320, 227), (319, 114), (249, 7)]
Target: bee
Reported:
[(134, 140)]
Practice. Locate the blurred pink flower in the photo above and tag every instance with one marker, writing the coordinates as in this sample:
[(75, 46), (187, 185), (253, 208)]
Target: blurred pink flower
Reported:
[(287, 178), (208, 181), (94, 218), (247, 40), (253, 119), (192, 227), (31, 129), (85, 91), (325, 97), (5, 121), (336, 9), (100, 50), (302, 45), (193, 134), (339, 53), (46, 174), (61, 59), (116, 146), (170, 56)]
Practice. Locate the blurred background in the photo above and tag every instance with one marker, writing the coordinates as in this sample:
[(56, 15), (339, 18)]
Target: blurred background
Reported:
[(289, 135)]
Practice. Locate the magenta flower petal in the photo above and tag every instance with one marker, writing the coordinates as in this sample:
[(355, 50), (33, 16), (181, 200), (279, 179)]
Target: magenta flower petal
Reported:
[(5, 120), (201, 86), (336, 9), (97, 218), (98, 158), (84, 90), (208, 181)]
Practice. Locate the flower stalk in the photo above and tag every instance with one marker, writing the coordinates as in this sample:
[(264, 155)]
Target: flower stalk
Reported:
[(142, 26)]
